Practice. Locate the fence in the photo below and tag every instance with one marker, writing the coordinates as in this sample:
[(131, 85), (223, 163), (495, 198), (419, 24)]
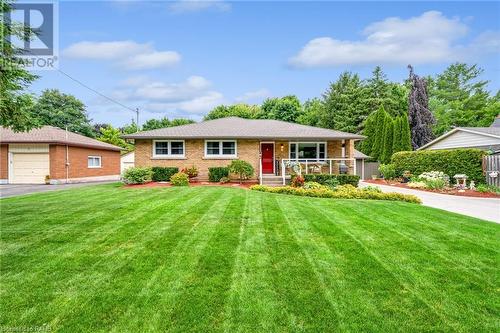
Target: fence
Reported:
[(491, 166)]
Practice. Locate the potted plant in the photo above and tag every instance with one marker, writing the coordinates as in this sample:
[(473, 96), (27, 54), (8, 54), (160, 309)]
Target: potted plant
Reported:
[(47, 179)]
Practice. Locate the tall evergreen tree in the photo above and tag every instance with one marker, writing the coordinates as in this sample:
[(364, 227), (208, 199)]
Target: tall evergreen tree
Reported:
[(419, 115), (344, 104), (379, 131), (386, 154), (366, 145), (405, 135), (396, 138)]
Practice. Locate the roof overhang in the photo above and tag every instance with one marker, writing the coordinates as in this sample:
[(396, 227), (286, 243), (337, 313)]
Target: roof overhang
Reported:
[(456, 129), (71, 144)]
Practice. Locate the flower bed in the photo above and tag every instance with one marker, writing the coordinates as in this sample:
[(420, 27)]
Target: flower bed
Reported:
[(450, 191), (341, 192)]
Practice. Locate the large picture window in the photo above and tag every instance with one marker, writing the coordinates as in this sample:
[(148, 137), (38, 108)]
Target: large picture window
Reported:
[(220, 149), (307, 150), (164, 148)]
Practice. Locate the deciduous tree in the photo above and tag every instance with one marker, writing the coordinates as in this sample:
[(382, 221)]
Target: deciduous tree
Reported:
[(419, 115)]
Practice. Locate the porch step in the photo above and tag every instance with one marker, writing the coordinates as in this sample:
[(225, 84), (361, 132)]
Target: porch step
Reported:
[(272, 180)]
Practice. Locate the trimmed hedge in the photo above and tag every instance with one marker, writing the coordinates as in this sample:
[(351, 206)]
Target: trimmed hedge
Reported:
[(451, 162), (163, 174), (216, 173), (323, 177), (348, 192)]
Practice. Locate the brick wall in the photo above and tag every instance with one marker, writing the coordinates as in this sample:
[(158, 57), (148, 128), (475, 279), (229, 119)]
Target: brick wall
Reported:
[(78, 159), (248, 150), (4, 161)]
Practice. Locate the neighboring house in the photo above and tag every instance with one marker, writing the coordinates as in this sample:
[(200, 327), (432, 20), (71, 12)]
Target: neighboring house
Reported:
[(65, 157), (127, 161), (272, 147), (484, 138)]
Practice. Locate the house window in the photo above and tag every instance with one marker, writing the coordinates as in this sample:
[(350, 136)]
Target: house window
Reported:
[(307, 150), (94, 161), (226, 148), (163, 148)]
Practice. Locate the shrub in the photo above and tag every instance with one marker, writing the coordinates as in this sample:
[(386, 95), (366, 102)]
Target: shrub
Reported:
[(347, 192), (191, 172), (297, 181), (483, 188), (370, 188), (434, 180), (137, 175), (243, 169), (387, 170), (216, 173), (332, 183), (451, 162), (313, 186), (417, 184), (163, 174), (179, 179), (224, 180), (323, 177)]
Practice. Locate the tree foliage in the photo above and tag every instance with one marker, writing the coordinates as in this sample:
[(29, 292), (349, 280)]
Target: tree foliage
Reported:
[(387, 146), (237, 110), (64, 111), (15, 104), (458, 97), (345, 107), (419, 115), (152, 124), (286, 108), (243, 169), (112, 136), (313, 110)]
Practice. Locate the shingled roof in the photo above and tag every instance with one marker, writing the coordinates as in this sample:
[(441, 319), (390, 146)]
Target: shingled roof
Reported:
[(54, 135), (239, 128)]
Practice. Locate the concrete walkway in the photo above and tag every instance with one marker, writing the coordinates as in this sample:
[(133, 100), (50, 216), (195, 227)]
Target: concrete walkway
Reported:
[(12, 190), (482, 208)]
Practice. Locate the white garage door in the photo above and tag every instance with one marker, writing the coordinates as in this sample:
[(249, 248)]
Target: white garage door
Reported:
[(29, 168)]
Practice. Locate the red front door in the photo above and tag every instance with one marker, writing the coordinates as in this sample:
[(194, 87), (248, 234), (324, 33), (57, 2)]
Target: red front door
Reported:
[(267, 157)]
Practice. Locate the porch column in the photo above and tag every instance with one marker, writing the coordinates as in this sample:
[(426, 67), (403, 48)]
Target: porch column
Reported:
[(349, 152)]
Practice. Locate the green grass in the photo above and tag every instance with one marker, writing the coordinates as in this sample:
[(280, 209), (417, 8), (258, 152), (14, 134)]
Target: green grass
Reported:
[(111, 259)]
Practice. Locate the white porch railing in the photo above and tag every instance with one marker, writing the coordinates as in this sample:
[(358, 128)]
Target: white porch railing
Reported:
[(306, 166)]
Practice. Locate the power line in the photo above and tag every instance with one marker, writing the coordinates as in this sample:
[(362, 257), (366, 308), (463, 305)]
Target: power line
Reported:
[(96, 92)]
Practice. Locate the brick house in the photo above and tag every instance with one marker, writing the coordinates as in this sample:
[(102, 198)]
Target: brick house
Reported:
[(272, 147), (65, 157)]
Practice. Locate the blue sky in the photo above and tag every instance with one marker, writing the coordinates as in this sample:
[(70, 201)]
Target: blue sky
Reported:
[(182, 58)]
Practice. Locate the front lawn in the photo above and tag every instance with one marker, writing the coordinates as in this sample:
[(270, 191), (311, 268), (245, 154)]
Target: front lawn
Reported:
[(105, 258)]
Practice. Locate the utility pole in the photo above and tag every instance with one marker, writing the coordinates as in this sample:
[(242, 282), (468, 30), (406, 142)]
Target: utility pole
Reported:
[(137, 122)]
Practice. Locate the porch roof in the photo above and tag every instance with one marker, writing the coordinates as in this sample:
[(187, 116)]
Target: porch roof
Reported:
[(239, 128)]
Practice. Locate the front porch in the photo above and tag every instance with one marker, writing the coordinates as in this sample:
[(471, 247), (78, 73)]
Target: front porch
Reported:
[(278, 161)]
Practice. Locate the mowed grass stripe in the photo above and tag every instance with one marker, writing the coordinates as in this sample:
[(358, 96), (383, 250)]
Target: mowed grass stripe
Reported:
[(116, 278), (201, 306), (440, 284), (253, 304), (368, 296), (293, 277), (162, 291), (84, 269)]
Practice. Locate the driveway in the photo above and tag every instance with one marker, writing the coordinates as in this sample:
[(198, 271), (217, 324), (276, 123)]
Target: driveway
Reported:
[(482, 208), (9, 190)]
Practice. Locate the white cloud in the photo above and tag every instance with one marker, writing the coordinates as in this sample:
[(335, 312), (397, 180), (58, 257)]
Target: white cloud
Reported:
[(185, 6), (128, 54), (152, 60), (428, 38), (193, 95), (253, 96)]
